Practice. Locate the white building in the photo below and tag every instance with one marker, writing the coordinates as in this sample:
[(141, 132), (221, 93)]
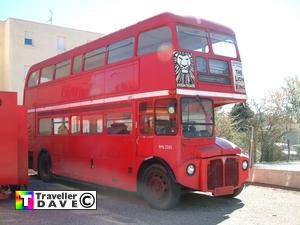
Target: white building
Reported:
[(23, 43)]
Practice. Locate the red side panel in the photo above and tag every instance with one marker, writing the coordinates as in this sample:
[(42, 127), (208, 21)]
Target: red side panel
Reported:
[(13, 141), (22, 145), (8, 138)]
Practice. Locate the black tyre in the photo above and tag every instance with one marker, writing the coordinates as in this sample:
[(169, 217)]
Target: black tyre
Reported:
[(159, 189), (44, 168), (235, 192)]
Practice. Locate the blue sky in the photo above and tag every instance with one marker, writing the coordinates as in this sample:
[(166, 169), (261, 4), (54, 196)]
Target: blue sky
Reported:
[(268, 32)]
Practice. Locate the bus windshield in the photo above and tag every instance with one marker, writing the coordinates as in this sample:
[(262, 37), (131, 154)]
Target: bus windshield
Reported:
[(197, 117), (196, 39), (192, 39), (223, 45)]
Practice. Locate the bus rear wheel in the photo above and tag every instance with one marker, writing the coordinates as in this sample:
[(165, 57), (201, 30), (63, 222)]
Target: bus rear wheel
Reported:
[(159, 189), (44, 168)]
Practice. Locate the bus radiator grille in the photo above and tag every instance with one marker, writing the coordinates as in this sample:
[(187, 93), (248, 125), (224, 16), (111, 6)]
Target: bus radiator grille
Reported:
[(231, 172), (215, 174), (219, 175)]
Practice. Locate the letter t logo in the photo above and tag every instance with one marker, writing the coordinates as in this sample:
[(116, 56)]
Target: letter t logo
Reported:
[(25, 199)]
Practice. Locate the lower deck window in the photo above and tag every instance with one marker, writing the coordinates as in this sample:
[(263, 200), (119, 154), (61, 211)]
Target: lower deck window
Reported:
[(166, 117), (92, 124), (45, 126), (119, 123), (61, 125)]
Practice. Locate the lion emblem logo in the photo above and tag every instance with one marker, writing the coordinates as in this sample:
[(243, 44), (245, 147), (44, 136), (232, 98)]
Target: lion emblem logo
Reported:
[(184, 69)]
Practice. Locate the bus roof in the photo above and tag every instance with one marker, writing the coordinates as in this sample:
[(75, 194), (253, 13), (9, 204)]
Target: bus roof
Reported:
[(141, 26)]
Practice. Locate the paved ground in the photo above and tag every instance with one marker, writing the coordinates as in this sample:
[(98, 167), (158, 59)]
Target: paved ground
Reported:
[(256, 205)]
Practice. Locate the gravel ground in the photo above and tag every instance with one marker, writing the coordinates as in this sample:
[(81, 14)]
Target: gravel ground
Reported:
[(255, 205)]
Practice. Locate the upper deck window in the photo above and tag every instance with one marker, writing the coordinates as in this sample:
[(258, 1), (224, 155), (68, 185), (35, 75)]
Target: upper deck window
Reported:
[(223, 45), (77, 64), (94, 59), (47, 74), (155, 40), (120, 50), (33, 79), (218, 71), (192, 39), (62, 69)]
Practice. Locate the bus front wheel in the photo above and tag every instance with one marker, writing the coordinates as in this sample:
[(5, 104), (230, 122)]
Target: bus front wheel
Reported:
[(159, 189), (44, 168)]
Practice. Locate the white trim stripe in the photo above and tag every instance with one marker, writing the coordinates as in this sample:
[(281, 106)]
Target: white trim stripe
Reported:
[(210, 94), (102, 100), (138, 96)]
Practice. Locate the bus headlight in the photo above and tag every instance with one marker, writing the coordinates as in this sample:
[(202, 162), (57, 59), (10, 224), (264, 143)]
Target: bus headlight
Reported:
[(190, 169), (245, 165)]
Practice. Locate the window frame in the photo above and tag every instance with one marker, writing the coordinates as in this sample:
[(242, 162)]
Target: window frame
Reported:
[(88, 115), (148, 31), (80, 66), (51, 126), (223, 35), (61, 66), (201, 29), (103, 50), (127, 42), (71, 124), (28, 40), (58, 39), (37, 81), (41, 73), (142, 113), (68, 123), (107, 118), (176, 113), (213, 124)]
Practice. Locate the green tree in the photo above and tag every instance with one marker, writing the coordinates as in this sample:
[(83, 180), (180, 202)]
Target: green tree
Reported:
[(241, 115)]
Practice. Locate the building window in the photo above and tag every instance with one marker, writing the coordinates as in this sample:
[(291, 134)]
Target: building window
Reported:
[(28, 38), (61, 44)]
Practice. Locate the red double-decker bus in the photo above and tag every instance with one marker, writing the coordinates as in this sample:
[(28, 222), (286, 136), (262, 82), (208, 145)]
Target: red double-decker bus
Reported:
[(135, 110)]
